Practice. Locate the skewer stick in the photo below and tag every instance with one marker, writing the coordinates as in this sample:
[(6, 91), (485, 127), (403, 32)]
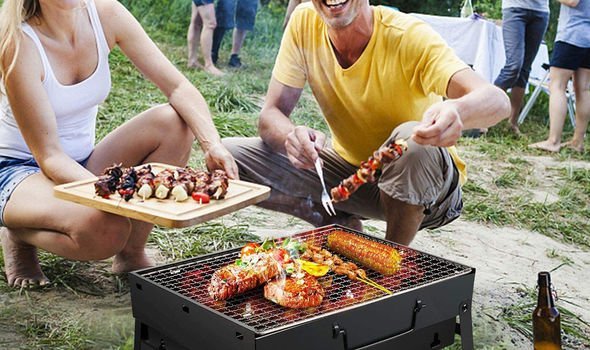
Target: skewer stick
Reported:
[(375, 285)]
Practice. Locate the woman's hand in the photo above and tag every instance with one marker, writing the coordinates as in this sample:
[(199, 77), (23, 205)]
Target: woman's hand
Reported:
[(441, 125), (218, 157), (303, 146)]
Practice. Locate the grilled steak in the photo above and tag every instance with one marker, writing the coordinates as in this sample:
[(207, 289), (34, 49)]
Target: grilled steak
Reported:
[(298, 291)]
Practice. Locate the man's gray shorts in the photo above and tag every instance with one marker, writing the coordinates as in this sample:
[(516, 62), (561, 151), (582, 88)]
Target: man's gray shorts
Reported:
[(424, 176)]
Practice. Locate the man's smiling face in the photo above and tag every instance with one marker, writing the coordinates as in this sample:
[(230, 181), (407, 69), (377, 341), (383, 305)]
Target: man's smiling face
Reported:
[(339, 13)]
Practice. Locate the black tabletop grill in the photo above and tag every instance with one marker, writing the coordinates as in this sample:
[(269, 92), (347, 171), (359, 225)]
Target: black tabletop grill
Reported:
[(431, 301)]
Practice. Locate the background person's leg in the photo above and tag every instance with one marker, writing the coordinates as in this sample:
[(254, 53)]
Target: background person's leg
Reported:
[(207, 13), (513, 31), (557, 109), (535, 26), (582, 91), (245, 19), (225, 12), (192, 38)]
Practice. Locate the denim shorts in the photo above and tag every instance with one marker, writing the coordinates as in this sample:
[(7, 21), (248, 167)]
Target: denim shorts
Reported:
[(236, 13), (568, 56), (12, 173)]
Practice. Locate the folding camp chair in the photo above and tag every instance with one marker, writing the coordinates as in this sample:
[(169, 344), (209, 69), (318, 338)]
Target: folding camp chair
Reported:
[(541, 85)]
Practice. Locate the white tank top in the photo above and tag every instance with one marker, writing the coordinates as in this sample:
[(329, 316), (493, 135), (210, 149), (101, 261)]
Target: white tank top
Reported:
[(75, 106)]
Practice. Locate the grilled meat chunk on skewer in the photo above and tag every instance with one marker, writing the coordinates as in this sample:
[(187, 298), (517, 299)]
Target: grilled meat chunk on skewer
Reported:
[(145, 182), (163, 183), (368, 170), (217, 188), (108, 181), (127, 182)]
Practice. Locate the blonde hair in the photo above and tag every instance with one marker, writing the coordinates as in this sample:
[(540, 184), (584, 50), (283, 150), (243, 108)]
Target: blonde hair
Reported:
[(12, 14)]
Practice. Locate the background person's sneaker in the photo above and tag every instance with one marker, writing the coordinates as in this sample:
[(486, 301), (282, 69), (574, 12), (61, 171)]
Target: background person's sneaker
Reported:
[(234, 61)]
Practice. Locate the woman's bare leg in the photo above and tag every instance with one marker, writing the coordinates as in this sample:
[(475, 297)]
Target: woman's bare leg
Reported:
[(37, 219), (582, 90), (192, 38), (160, 136), (557, 109)]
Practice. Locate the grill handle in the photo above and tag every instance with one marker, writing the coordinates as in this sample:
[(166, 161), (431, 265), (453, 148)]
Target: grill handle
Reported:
[(338, 331)]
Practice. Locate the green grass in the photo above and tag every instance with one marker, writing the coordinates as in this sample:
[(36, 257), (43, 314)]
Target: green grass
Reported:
[(178, 244)]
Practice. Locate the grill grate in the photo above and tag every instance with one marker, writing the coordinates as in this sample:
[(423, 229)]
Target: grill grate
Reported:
[(191, 279)]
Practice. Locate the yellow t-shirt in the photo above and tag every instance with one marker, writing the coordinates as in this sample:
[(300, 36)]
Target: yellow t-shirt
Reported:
[(405, 68)]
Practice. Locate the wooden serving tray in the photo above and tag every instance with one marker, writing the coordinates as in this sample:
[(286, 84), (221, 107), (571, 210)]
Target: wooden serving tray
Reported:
[(165, 212)]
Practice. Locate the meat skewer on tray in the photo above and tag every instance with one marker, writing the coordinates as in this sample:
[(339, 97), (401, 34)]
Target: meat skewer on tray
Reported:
[(178, 184), (145, 182), (107, 183)]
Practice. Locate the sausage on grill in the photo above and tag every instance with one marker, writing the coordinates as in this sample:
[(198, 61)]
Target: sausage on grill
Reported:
[(374, 255)]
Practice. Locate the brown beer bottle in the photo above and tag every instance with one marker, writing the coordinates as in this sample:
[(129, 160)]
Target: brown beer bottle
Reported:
[(546, 320)]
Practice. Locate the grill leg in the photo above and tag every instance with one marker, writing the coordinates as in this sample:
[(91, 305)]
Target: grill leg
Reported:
[(465, 327), (137, 337)]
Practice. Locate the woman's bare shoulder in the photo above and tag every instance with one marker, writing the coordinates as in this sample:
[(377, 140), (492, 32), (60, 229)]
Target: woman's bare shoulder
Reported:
[(28, 55), (111, 14)]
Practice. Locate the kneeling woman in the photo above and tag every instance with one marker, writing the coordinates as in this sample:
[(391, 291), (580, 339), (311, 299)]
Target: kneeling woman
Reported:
[(54, 71)]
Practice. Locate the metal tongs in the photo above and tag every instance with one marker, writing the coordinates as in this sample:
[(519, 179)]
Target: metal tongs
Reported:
[(326, 199)]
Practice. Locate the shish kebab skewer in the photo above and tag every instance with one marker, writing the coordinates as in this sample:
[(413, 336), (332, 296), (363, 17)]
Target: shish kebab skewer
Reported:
[(368, 169)]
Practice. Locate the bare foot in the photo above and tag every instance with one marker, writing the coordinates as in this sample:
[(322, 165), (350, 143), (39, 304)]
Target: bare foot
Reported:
[(21, 262), (194, 64), (574, 146), (515, 130), (211, 69), (546, 146), (126, 262)]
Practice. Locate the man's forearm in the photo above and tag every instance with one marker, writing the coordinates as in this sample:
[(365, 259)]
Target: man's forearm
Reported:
[(483, 107), (274, 127)]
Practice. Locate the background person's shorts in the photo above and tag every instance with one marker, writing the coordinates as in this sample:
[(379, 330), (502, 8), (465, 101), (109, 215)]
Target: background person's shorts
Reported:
[(12, 173), (236, 13), (568, 56), (202, 2)]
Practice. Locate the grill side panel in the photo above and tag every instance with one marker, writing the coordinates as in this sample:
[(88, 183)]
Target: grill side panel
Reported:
[(386, 322), (180, 319)]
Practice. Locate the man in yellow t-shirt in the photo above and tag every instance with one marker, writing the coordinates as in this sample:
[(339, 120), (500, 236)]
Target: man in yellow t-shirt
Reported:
[(378, 75)]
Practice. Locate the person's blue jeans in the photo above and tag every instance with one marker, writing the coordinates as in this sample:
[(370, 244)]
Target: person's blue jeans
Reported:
[(523, 31)]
